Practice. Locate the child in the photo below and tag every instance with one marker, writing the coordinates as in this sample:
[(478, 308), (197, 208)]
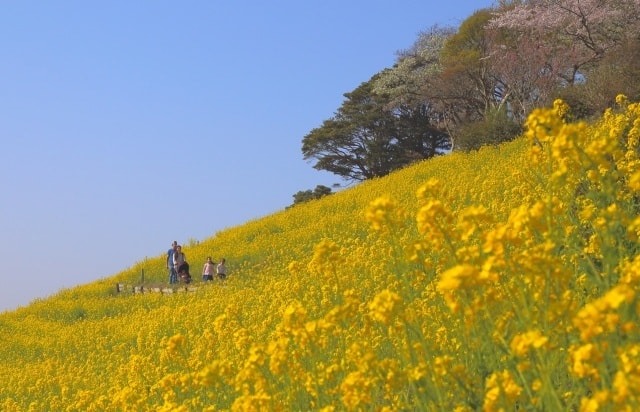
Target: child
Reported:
[(207, 269), (221, 269)]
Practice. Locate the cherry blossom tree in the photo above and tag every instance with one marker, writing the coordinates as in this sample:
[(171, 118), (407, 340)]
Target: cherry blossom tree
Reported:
[(527, 72), (575, 32), (416, 69), (415, 80)]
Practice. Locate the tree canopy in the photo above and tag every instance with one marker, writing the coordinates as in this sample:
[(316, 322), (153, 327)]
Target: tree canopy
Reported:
[(461, 88), (367, 139), (307, 195)]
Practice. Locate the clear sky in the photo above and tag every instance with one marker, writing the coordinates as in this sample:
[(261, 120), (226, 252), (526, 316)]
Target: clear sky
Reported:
[(125, 125)]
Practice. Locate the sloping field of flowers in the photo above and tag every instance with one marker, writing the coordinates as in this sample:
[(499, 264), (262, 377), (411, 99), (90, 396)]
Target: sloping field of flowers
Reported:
[(504, 279)]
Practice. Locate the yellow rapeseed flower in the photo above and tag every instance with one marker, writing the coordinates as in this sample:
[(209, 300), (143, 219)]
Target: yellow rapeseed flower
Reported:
[(385, 306), (521, 344)]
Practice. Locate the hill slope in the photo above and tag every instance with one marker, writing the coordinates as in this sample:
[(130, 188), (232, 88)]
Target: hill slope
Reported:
[(502, 277)]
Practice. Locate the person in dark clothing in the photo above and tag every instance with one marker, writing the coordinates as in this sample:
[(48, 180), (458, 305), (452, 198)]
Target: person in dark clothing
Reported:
[(173, 274), (181, 265)]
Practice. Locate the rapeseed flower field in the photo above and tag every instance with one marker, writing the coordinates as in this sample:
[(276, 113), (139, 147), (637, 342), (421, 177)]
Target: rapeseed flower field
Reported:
[(502, 279)]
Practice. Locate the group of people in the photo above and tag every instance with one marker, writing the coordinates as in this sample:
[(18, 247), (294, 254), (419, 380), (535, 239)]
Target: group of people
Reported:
[(179, 267)]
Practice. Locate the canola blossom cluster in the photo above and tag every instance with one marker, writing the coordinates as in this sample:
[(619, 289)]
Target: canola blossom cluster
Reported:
[(502, 279)]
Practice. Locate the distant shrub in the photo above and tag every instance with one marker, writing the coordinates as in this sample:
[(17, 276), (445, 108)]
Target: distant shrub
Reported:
[(497, 127)]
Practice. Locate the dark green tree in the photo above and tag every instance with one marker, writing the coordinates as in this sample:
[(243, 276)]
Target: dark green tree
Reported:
[(365, 139), (418, 137), (355, 143), (307, 195)]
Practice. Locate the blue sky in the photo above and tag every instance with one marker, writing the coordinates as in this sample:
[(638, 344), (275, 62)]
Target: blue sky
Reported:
[(125, 125)]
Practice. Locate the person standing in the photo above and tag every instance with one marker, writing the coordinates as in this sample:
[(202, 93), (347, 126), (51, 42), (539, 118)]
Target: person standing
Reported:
[(207, 269), (173, 274), (221, 269), (181, 265)]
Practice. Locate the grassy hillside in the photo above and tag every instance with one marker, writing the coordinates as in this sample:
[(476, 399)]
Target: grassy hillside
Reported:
[(504, 278)]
